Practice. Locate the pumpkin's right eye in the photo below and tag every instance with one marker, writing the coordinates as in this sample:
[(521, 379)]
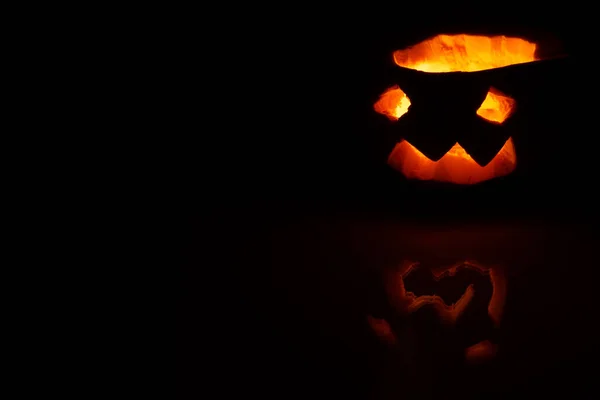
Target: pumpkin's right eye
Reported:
[(496, 106)]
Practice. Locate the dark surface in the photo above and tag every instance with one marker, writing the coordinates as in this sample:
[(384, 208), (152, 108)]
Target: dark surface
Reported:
[(294, 214), (291, 309)]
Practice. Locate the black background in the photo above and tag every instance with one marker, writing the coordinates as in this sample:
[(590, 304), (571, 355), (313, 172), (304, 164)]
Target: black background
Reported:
[(281, 160)]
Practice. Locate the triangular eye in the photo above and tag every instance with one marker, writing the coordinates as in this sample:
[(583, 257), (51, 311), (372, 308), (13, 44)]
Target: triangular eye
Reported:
[(496, 106), (393, 103)]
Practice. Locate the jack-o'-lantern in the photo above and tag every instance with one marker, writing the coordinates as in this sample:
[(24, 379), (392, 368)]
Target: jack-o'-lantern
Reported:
[(452, 122)]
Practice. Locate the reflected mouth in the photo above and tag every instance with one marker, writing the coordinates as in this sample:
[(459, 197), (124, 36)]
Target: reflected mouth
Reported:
[(407, 302)]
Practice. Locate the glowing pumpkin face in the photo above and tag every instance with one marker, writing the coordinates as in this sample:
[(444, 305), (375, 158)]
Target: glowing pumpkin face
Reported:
[(460, 129)]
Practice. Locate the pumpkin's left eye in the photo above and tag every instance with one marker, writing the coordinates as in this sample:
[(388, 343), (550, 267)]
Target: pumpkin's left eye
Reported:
[(496, 106), (393, 103)]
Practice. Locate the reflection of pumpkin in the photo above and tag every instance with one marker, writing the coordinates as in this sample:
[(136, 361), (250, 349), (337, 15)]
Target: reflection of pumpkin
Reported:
[(330, 274), (469, 150), (542, 315), (471, 324), (405, 302)]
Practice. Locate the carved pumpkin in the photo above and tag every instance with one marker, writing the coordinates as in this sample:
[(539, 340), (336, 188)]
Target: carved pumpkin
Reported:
[(452, 121)]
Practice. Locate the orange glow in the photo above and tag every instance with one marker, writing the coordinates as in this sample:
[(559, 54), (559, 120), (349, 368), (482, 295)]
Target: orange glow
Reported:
[(465, 53), (407, 302)]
